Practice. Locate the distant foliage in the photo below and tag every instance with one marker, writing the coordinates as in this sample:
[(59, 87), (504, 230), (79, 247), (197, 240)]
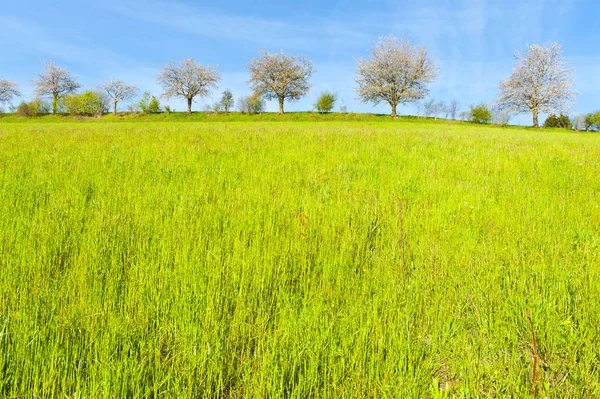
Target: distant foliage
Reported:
[(118, 91), (217, 107), (325, 102), (500, 116), (226, 101), (143, 104), (465, 116), (480, 114), (88, 103), (39, 107), (561, 121), (453, 109), (154, 106), (251, 105), (592, 121), (432, 108), (148, 104), (578, 122), (23, 110)]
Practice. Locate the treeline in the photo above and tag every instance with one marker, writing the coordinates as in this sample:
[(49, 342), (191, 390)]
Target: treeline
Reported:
[(397, 73)]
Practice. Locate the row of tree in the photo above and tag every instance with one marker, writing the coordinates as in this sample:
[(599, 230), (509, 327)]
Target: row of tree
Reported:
[(396, 72)]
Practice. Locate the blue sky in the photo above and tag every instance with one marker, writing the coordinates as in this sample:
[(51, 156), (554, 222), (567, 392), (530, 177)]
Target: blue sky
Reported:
[(473, 41)]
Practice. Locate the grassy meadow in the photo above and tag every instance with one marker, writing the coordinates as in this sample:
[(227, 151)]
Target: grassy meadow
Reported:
[(294, 257)]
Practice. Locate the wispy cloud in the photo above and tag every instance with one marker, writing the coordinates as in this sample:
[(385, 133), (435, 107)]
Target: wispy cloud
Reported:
[(39, 40), (260, 32)]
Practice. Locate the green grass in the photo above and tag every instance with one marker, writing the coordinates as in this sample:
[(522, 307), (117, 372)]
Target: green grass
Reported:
[(354, 259)]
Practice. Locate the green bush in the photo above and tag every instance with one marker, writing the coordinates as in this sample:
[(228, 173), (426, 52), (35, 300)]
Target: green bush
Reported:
[(227, 101), (149, 104), (23, 110), (480, 114), (560, 121), (325, 102), (39, 107), (88, 103), (154, 106), (144, 103), (592, 121), (251, 105)]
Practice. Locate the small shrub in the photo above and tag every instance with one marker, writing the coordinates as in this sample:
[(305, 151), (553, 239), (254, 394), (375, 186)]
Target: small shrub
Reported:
[(227, 101), (464, 116), (154, 106), (23, 110), (500, 116), (89, 103), (148, 104), (592, 121), (144, 104), (325, 102), (480, 114), (251, 105), (560, 121), (134, 108), (217, 107), (39, 107), (578, 122)]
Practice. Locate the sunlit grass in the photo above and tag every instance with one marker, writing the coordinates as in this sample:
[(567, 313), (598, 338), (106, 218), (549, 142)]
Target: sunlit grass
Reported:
[(372, 258)]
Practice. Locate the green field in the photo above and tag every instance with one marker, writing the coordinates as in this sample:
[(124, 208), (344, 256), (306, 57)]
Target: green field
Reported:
[(297, 257)]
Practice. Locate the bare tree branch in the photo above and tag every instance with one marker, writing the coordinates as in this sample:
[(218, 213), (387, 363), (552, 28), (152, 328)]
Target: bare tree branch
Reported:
[(118, 92), (397, 72), (279, 76), (453, 108)]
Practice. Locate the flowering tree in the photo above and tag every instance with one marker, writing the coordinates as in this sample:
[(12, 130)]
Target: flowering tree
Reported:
[(118, 92), (56, 82), (8, 90), (279, 76), (188, 79), (541, 82), (397, 72)]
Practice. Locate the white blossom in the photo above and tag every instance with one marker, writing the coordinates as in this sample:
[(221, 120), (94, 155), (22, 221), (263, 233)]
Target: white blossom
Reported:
[(397, 72), (541, 82), (188, 80), (8, 90), (55, 81), (279, 76), (118, 92)]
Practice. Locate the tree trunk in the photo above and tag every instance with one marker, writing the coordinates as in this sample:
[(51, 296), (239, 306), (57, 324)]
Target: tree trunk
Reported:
[(189, 106), (394, 110), (281, 105), (55, 104), (535, 118), (115, 108)]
